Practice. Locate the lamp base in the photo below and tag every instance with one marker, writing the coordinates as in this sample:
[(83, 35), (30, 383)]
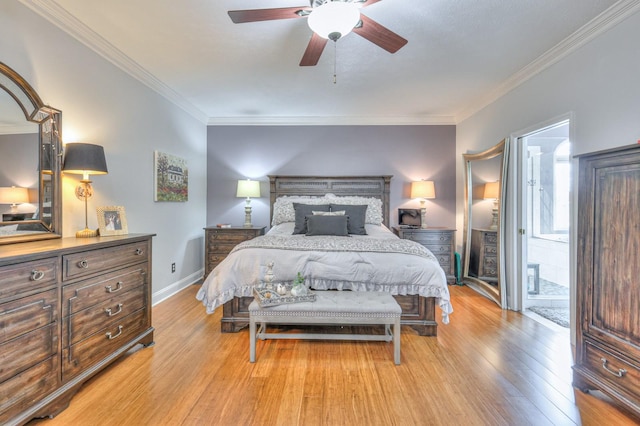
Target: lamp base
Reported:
[(87, 233)]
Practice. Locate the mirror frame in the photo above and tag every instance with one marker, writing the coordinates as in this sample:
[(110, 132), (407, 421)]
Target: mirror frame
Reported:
[(495, 293), (49, 122)]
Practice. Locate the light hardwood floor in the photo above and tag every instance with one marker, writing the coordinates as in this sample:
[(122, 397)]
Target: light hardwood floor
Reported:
[(487, 367)]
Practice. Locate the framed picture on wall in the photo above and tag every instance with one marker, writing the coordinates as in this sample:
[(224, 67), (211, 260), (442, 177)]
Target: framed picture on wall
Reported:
[(171, 178), (409, 218), (112, 220)]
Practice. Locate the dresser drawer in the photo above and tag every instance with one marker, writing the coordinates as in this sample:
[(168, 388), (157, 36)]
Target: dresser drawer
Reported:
[(428, 238), (29, 313), (25, 351), (491, 238), (19, 392), (28, 277), (87, 293), (491, 250), (608, 367), (94, 261), (89, 321), (77, 358), (439, 249)]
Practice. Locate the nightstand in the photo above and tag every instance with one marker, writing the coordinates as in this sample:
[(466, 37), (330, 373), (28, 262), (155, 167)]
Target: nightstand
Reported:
[(218, 242), (440, 241)]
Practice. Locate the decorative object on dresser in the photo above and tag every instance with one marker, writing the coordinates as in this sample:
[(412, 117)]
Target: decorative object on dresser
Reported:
[(248, 189), (68, 308), (112, 220), (40, 124), (440, 241), (492, 192), (607, 284), (423, 189), (220, 240), (483, 258), (84, 159)]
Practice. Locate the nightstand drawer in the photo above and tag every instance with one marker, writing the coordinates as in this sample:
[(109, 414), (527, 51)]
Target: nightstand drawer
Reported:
[(438, 248), (220, 247), (235, 236)]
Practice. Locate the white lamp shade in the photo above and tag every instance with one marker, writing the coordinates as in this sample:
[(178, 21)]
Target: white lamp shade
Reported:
[(248, 189), (423, 189), (491, 190), (334, 17), (14, 195)]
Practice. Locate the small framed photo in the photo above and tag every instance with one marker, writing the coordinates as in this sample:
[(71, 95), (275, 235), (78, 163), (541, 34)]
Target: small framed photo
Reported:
[(409, 218), (112, 220)]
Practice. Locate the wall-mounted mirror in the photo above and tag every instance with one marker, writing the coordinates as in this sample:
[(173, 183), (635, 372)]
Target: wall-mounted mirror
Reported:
[(30, 153), (484, 221)]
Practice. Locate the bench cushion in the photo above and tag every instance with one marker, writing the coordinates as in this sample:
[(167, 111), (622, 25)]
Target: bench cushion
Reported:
[(336, 304)]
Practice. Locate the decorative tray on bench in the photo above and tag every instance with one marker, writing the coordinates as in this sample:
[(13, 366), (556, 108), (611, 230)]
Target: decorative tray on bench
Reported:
[(267, 297)]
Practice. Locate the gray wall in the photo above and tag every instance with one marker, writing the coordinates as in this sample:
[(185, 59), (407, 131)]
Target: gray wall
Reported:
[(102, 104), (406, 152)]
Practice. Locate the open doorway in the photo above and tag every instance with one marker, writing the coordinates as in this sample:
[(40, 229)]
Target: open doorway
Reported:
[(545, 217)]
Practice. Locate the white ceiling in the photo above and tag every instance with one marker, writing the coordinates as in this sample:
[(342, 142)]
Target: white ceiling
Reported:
[(461, 55)]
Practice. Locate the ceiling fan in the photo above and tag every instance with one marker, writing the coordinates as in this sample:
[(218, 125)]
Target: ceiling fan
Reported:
[(329, 20)]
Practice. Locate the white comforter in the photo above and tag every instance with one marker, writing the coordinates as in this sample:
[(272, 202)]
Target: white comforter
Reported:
[(385, 264)]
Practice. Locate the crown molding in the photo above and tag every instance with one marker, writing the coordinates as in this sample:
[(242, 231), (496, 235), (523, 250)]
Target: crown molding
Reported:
[(59, 17), (597, 26), (333, 121)]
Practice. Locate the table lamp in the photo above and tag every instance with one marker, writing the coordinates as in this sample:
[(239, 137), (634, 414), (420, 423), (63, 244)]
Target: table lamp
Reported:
[(85, 159), (492, 192), (423, 189), (14, 195), (248, 188)]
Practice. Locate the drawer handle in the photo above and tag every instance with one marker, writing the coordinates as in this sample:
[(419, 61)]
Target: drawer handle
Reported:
[(111, 290), (111, 337), (111, 313), (83, 264), (621, 371), (36, 275), (139, 252)]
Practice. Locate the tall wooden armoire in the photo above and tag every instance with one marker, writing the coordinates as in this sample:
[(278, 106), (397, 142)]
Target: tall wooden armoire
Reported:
[(608, 275)]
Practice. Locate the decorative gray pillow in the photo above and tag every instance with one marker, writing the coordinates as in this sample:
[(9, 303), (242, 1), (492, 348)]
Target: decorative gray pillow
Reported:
[(357, 217), (304, 210), (327, 225)]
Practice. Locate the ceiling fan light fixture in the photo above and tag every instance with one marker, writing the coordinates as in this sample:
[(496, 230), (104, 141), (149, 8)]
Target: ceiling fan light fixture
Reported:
[(334, 19)]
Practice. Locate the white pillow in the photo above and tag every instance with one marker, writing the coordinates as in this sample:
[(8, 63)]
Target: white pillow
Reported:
[(283, 207)]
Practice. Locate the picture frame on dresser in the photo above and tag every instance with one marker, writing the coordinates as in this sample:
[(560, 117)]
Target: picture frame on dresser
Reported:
[(410, 218), (112, 220)]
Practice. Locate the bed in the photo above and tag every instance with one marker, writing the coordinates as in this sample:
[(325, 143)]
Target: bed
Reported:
[(377, 261)]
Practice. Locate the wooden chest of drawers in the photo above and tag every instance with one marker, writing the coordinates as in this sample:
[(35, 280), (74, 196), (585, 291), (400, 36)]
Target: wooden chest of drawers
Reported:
[(483, 255), (440, 241), (218, 242), (68, 308)]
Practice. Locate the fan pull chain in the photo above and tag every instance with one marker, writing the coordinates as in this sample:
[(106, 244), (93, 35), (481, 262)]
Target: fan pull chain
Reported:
[(335, 60)]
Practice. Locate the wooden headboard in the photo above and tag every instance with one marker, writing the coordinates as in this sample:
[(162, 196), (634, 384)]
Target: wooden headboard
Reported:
[(361, 186)]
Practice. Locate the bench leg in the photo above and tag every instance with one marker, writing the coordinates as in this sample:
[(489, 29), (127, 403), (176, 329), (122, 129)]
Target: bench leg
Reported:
[(252, 340), (396, 342)]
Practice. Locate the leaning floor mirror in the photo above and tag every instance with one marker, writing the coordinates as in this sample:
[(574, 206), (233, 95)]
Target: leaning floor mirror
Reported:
[(484, 221)]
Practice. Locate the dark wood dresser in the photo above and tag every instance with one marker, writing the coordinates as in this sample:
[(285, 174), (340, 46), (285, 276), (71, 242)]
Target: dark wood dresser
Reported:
[(608, 271), (483, 255), (68, 308), (440, 241), (218, 242)]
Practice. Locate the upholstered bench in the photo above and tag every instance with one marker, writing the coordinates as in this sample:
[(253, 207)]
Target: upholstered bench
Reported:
[(330, 308)]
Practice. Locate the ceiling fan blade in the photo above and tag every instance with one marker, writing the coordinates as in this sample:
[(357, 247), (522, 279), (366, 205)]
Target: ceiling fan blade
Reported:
[(254, 15), (377, 34), (314, 50)]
